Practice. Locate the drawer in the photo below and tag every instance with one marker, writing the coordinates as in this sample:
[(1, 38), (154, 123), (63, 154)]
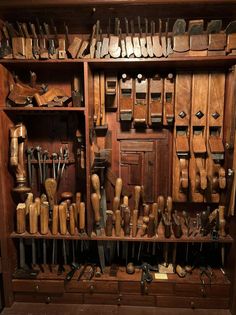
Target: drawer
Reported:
[(92, 286), (70, 298), (39, 286), (152, 288), (214, 290), (192, 302)]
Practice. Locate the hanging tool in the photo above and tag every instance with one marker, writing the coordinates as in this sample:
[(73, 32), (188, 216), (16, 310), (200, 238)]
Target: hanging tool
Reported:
[(128, 40), (29, 153)]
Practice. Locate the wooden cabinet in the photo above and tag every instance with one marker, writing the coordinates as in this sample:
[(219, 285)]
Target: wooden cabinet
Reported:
[(159, 154)]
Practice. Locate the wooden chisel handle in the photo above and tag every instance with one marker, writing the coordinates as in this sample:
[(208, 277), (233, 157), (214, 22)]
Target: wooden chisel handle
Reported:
[(127, 222), (169, 206), (116, 203), (28, 202), (143, 229), (96, 184), (109, 223), (135, 223), (155, 212), (20, 218), (33, 219), (126, 201), (96, 206), (160, 203), (63, 218), (55, 219), (117, 223), (78, 200), (44, 217), (51, 190), (137, 191), (82, 217), (37, 202), (151, 226), (146, 210), (118, 187), (72, 219)]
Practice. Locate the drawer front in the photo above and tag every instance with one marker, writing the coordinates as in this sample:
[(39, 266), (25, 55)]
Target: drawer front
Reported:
[(192, 302), (129, 287), (92, 286), (38, 286), (214, 290), (70, 298), (162, 288)]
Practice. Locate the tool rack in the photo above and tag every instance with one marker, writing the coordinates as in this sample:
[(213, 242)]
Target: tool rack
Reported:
[(155, 148)]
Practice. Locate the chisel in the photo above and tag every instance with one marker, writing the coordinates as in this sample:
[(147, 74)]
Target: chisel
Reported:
[(97, 219), (149, 38), (136, 43)]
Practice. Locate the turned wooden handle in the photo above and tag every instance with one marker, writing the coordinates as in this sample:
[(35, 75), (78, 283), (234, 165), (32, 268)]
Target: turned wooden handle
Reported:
[(143, 229), (116, 203), (118, 187), (146, 210), (20, 218), (67, 197), (96, 184), (51, 190), (72, 219), (160, 203), (126, 201), (109, 223), (134, 223), (155, 212), (137, 191), (117, 222), (127, 222), (63, 218), (29, 200), (82, 216), (55, 219), (44, 217), (96, 207), (78, 200), (151, 226), (37, 202), (33, 219)]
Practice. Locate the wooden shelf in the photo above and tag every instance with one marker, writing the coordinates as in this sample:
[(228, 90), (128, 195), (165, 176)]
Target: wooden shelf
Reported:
[(161, 239), (43, 109), (180, 61)]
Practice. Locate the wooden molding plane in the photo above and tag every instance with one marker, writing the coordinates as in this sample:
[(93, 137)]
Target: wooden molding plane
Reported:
[(181, 149), (111, 91), (141, 101), (155, 100), (180, 38), (198, 150), (198, 39), (215, 147), (126, 98), (168, 108)]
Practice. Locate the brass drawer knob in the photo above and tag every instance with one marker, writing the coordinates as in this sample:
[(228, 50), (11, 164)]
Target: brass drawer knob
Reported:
[(36, 287), (192, 304)]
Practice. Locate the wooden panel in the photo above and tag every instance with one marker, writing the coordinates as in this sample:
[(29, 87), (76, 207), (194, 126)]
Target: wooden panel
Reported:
[(149, 176), (70, 298)]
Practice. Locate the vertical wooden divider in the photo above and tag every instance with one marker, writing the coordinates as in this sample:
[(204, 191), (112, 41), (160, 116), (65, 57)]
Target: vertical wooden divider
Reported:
[(88, 100), (7, 206)]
